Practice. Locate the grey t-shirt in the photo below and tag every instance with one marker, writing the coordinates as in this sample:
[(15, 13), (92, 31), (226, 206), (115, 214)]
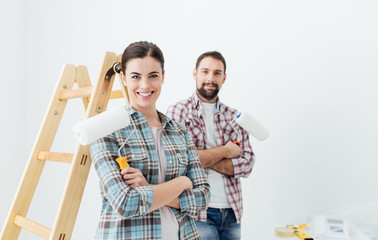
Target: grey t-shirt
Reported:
[(169, 224), (218, 197)]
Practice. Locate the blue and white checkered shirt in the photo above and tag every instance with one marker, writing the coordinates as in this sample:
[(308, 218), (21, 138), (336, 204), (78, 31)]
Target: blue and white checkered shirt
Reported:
[(125, 211)]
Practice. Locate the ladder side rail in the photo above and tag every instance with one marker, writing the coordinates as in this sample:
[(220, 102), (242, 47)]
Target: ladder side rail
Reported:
[(83, 80), (34, 167)]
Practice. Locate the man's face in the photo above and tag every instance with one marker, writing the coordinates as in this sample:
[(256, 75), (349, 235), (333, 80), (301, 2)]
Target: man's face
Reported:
[(209, 78)]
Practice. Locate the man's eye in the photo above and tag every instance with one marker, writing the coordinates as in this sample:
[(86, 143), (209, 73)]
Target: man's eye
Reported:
[(135, 77), (205, 72), (154, 76)]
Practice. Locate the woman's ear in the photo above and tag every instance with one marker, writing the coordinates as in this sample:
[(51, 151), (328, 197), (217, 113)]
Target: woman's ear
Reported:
[(123, 78)]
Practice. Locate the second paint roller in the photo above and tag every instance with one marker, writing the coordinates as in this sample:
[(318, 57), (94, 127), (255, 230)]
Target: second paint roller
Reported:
[(252, 126)]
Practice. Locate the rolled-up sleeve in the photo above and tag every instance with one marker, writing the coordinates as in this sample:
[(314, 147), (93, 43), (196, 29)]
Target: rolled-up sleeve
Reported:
[(127, 202), (191, 201), (243, 165)]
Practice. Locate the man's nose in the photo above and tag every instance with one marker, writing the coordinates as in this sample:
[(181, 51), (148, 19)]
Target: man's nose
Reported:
[(210, 78)]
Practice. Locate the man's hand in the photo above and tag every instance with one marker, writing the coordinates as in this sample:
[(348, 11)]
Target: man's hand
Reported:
[(187, 182), (209, 157), (133, 177), (233, 150)]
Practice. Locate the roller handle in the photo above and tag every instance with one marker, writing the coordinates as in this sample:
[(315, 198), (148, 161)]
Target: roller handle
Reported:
[(122, 162)]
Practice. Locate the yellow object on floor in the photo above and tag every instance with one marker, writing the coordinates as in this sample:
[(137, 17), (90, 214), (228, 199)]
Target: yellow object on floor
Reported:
[(291, 231), (284, 232), (299, 232)]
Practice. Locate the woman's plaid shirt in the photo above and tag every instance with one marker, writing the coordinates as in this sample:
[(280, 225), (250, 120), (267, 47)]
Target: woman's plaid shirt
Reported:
[(188, 112), (125, 211)]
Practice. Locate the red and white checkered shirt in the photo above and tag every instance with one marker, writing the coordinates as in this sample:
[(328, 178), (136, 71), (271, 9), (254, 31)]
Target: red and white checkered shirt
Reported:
[(188, 112)]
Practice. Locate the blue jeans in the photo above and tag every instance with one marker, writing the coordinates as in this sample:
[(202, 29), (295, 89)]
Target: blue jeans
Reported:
[(221, 225)]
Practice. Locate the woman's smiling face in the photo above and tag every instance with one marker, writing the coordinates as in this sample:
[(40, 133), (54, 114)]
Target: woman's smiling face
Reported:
[(143, 78)]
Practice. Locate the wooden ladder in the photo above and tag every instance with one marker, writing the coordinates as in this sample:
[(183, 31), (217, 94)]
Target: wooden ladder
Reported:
[(95, 100)]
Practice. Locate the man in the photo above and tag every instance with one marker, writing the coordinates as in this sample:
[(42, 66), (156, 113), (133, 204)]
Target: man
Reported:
[(213, 130)]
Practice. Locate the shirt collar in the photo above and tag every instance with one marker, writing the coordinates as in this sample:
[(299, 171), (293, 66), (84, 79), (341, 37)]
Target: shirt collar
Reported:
[(163, 118), (130, 109), (196, 102)]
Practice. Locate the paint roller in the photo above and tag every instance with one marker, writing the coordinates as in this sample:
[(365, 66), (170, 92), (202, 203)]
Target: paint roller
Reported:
[(105, 123), (252, 126), (101, 125)]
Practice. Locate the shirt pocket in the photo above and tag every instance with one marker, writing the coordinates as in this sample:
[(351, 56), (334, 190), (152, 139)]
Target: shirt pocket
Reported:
[(181, 162), (196, 133), (138, 158)]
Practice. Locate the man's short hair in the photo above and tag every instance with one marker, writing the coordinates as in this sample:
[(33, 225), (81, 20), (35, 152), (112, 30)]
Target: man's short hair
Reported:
[(213, 54)]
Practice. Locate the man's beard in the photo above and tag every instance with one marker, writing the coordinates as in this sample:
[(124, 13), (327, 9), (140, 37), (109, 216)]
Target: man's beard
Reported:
[(210, 94)]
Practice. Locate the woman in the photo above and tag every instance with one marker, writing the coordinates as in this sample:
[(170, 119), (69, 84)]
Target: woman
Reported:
[(159, 195)]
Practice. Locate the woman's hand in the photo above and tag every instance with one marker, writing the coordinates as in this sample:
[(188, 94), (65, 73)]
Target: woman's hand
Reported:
[(133, 177)]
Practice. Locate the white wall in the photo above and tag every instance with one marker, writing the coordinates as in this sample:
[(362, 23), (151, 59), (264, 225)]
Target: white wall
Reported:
[(12, 99), (306, 69)]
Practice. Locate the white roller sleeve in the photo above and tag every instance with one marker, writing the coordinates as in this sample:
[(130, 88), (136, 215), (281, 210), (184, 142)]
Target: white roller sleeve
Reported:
[(101, 125), (252, 126)]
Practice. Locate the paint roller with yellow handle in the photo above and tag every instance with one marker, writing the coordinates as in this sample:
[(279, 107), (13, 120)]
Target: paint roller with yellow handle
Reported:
[(105, 123)]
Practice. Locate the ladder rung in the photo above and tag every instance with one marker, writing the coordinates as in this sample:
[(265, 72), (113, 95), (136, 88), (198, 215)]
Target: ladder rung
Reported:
[(116, 94), (33, 227), (86, 92), (55, 156), (75, 93)]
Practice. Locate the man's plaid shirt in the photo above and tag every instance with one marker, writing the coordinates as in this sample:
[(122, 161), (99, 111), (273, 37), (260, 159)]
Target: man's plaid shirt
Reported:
[(188, 112), (125, 211)]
